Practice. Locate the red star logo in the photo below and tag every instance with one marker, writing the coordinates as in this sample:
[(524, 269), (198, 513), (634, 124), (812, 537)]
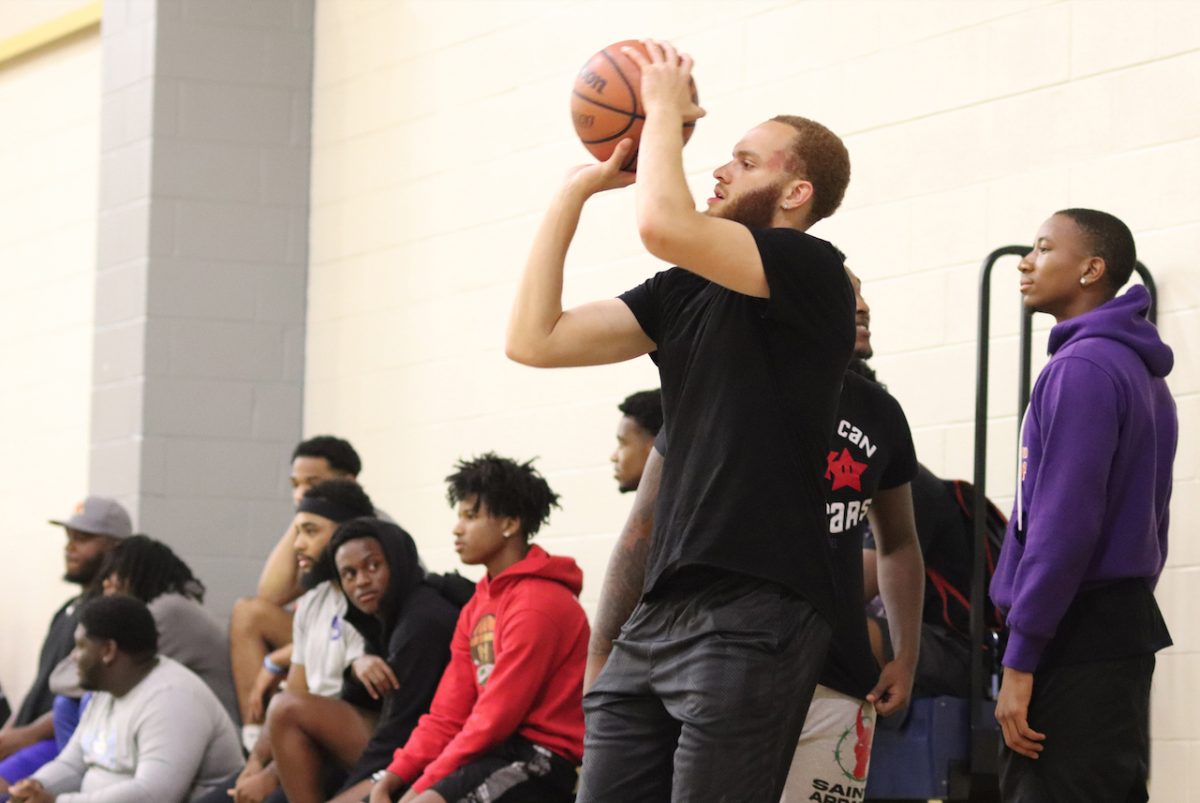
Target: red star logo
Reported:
[(844, 470)]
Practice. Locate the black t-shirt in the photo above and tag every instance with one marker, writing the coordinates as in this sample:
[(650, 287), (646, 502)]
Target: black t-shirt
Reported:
[(945, 535), (872, 450), (60, 640), (750, 390)]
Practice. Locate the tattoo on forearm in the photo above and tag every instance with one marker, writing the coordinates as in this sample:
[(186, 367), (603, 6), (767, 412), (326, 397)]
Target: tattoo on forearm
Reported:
[(622, 584), (627, 567)]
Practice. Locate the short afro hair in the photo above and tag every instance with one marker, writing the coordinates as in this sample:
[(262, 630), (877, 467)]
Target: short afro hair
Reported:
[(123, 619), (820, 156), (506, 487), (644, 407), (1108, 238), (337, 452)]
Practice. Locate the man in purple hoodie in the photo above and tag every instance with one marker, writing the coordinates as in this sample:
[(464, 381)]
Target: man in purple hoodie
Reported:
[(1088, 535)]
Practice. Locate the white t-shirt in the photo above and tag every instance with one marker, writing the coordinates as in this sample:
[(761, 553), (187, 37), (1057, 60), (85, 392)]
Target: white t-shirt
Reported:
[(167, 740), (323, 642)]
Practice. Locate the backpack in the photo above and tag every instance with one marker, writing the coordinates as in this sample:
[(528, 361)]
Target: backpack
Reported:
[(955, 601), (457, 589)]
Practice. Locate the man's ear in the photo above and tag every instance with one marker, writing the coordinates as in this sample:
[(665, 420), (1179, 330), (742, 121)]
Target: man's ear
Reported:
[(798, 193), (108, 652), (1094, 270), (510, 526)]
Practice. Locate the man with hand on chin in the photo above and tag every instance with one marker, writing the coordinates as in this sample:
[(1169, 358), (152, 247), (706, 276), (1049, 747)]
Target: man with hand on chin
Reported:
[(407, 619)]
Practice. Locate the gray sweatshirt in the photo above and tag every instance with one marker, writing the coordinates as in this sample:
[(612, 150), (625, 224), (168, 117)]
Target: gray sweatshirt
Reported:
[(167, 740)]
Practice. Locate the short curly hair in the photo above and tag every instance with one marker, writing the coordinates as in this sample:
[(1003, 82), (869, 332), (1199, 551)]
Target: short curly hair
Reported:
[(337, 452), (1110, 239), (125, 620), (644, 407), (820, 156), (507, 487)]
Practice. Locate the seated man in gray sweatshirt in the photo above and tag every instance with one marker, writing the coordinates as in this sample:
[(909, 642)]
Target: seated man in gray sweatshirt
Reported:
[(130, 746)]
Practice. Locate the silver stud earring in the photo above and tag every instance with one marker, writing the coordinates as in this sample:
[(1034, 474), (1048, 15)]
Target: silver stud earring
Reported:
[(1083, 281)]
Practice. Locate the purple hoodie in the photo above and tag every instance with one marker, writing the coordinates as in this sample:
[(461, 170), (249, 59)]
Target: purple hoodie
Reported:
[(1098, 442)]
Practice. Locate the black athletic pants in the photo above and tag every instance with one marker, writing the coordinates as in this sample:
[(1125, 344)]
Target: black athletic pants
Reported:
[(1096, 717), (704, 695)]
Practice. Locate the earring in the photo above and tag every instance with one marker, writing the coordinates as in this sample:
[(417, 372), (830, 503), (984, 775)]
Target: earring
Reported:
[(508, 535), (1083, 281)]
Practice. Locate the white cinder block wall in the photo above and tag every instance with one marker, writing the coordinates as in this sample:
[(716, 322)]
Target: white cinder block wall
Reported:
[(441, 128), (49, 141)]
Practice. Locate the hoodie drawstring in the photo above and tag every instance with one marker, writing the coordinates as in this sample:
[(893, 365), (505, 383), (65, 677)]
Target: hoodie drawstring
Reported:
[(1022, 461)]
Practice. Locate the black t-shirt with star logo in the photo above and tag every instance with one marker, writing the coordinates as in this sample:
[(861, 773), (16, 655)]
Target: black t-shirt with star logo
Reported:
[(872, 450), (750, 390)]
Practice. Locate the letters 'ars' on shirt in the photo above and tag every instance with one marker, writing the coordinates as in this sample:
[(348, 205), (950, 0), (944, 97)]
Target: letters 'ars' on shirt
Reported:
[(750, 391), (872, 450)]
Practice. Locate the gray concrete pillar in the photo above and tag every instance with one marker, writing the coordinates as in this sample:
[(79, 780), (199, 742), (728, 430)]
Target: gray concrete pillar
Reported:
[(201, 273)]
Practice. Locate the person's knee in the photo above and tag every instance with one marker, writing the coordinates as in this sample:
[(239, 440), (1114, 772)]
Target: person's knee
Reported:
[(245, 611), (286, 710), (251, 615)]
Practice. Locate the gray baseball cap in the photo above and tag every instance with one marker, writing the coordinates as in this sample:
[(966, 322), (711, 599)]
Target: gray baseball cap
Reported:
[(99, 515)]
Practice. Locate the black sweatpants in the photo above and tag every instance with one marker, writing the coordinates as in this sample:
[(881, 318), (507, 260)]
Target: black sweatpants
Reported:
[(1096, 717), (704, 696)]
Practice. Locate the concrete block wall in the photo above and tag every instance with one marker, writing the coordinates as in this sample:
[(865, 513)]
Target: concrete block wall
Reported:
[(201, 274), (441, 129), (48, 188)]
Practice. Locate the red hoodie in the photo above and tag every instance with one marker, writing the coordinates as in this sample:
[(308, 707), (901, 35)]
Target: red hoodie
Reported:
[(516, 666)]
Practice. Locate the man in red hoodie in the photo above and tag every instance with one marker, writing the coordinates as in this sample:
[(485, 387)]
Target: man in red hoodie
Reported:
[(507, 718)]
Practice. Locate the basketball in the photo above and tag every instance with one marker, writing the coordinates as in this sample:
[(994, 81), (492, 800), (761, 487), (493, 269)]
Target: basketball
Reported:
[(606, 103)]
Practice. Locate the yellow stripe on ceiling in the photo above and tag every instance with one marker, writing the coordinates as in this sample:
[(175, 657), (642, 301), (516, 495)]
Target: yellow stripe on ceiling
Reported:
[(44, 35)]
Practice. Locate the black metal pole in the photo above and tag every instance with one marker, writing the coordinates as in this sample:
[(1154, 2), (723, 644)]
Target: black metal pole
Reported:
[(983, 758)]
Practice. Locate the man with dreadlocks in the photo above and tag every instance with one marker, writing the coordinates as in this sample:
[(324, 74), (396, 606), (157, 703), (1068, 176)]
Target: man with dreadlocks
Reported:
[(150, 571), (507, 719)]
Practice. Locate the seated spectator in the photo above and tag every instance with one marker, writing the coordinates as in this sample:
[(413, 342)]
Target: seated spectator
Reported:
[(507, 718), (641, 419), (262, 625), (150, 571), (407, 623), (324, 645), (27, 742), (944, 658), (153, 731)]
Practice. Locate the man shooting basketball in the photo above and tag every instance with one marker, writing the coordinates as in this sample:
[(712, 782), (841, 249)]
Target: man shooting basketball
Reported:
[(756, 324)]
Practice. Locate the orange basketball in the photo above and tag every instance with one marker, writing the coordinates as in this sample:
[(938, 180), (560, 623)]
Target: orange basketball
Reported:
[(606, 103)]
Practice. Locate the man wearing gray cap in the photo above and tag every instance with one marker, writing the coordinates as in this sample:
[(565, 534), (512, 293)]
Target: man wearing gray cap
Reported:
[(93, 528)]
